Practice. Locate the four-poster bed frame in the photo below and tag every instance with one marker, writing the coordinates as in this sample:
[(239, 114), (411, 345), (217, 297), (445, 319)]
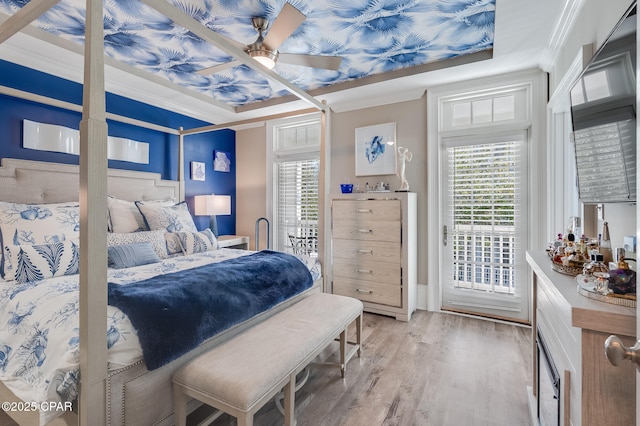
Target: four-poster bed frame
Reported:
[(134, 394), (93, 172)]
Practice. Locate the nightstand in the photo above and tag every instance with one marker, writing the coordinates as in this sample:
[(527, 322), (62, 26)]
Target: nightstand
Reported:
[(233, 241)]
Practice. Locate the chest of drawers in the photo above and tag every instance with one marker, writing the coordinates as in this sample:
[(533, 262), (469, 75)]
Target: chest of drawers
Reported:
[(373, 251)]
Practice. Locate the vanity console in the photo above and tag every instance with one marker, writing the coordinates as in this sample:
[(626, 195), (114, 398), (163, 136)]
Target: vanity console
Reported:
[(573, 382)]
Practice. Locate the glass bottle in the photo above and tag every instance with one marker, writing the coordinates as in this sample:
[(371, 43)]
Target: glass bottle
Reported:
[(622, 280), (605, 244), (596, 265)]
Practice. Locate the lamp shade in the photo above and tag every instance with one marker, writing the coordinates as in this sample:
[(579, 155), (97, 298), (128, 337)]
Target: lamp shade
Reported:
[(207, 205), (266, 57)]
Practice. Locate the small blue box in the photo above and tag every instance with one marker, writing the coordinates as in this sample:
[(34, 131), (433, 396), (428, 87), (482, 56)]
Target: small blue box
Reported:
[(346, 188)]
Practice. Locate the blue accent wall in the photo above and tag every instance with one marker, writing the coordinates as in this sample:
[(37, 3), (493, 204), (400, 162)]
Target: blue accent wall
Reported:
[(201, 148), (163, 147)]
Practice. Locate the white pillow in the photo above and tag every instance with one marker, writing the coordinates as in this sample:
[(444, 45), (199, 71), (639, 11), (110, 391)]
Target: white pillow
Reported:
[(156, 238), (124, 216), (27, 263), (170, 219)]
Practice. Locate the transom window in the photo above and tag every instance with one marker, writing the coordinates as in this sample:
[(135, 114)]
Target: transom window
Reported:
[(484, 110)]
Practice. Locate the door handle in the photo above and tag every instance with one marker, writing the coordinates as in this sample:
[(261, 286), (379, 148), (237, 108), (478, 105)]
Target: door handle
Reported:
[(617, 352)]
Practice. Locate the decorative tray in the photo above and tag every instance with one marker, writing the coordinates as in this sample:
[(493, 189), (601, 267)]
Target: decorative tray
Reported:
[(588, 289), (567, 270)]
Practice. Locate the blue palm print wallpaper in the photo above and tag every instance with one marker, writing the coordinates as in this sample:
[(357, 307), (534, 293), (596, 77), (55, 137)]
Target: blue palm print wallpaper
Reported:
[(372, 37)]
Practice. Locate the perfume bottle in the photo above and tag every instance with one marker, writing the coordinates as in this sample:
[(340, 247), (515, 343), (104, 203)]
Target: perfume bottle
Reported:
[(605, 244), (596, 265), (622, 280)]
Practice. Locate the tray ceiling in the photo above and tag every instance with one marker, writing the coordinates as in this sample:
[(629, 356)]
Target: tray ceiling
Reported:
[(373, 38)]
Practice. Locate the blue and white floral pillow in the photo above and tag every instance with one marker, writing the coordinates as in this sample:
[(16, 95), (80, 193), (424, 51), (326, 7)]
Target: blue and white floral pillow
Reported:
[(31, 224), (124, 216), (155, 238), (174, 246), (28, 263), (197, 242), (170, 219)]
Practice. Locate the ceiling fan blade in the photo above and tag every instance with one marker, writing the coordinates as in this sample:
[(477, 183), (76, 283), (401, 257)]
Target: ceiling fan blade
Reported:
[(285, 24), (217, 68), (313, 61)]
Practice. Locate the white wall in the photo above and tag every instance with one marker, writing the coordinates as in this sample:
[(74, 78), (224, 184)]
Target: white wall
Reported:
[(251, 191), (594, 22), (411, 132)]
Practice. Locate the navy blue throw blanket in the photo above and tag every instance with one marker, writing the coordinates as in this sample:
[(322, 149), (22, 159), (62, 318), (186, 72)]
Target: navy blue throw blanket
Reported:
[(173, 313)]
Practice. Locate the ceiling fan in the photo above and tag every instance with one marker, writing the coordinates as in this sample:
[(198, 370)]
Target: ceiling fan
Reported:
[(265, 49)]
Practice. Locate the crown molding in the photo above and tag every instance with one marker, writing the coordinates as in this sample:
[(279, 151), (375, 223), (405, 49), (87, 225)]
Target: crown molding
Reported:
[(564, 26)]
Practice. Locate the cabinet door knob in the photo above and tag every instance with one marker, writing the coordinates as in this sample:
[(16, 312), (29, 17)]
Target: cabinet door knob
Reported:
[(617, 352), (363, 291), (364, 211), (365, 271), (362, 251), (365, 231)]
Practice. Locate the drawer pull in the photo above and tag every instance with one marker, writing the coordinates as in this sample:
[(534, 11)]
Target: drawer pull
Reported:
[(365, 231), (363, 291), (362, 251), (365, 271), (364, 211)]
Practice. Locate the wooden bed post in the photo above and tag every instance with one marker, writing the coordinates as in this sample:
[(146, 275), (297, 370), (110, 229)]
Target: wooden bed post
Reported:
[(93, 225), (324, 183), (181, 162)]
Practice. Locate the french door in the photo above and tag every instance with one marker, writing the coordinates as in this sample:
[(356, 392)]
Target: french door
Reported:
[(484, 231)]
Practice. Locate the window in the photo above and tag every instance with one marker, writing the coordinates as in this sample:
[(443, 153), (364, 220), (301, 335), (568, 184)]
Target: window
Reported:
[(487, 109), (296, 167)]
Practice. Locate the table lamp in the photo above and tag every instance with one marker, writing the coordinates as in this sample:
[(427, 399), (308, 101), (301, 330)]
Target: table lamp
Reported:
[(212, 205)]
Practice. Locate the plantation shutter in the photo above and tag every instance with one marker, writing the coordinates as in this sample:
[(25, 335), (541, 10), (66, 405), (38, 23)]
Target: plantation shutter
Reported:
[(298, 205), (485, 240)]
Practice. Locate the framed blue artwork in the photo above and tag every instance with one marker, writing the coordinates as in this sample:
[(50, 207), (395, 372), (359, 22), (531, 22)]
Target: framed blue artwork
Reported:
[(376, 150), (197, 170), (221, 161)]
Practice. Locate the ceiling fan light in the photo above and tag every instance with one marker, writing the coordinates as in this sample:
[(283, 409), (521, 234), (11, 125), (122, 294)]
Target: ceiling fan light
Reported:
[(266, 57)]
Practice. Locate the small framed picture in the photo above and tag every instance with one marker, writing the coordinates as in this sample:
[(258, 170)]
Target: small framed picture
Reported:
[(197, 170), (376, 150), (221, 161)]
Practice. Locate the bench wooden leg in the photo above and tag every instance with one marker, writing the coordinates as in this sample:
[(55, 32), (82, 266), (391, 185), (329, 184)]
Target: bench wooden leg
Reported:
[(343, 352), (290, 401), (179, 406), (359, 334), (245, 419)]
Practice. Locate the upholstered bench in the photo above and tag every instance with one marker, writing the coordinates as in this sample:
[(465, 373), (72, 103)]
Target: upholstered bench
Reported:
[(241, 375)]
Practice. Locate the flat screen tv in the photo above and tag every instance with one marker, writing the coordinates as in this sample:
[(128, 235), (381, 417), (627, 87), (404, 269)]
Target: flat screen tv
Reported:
[(603, 113)]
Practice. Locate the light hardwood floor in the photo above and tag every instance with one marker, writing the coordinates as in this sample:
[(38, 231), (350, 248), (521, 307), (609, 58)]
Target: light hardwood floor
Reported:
[(439, 369)]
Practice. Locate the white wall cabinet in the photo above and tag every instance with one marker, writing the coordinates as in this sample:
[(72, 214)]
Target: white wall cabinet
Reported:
[(374, 250)]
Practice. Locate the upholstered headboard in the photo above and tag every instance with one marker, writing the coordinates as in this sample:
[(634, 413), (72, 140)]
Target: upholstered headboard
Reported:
[(25, 181)]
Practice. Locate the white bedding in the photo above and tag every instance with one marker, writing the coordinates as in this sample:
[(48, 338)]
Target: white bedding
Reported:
[(39, 337)]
